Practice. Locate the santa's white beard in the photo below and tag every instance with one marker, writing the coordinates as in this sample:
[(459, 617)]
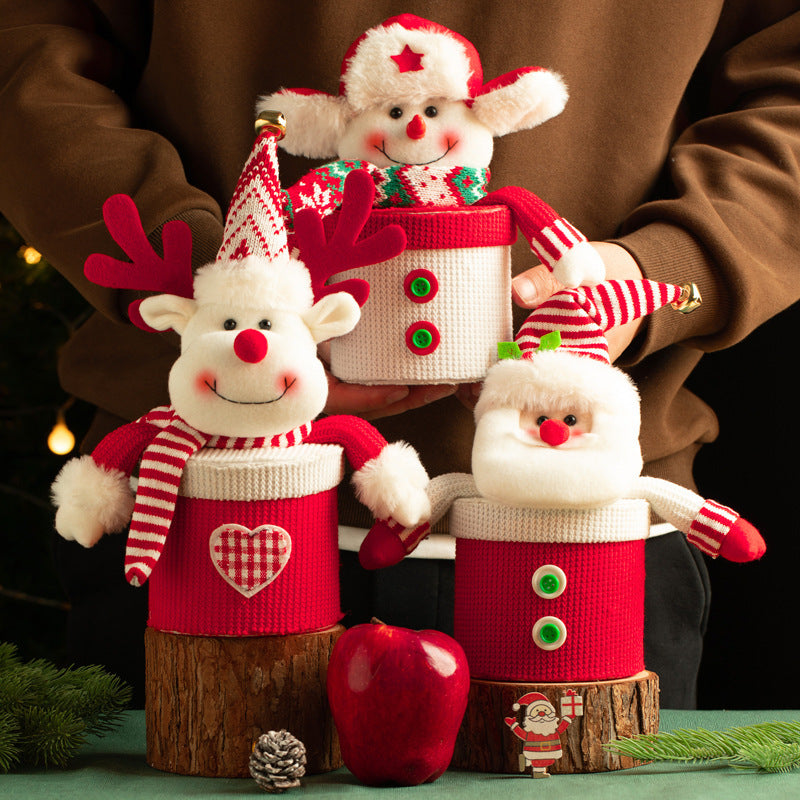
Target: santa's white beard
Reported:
[(592, 470), (544, 726)]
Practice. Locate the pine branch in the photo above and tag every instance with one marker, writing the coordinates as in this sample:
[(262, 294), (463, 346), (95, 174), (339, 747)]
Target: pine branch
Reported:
[(765, 746), (47, 713)]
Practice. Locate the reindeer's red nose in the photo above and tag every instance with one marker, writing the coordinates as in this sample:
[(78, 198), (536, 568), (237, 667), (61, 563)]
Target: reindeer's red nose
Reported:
[(250, 345), (554, 432), (416, 128)]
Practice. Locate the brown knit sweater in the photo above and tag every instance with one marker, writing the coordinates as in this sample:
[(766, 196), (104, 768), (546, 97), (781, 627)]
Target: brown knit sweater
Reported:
[(680, 141)]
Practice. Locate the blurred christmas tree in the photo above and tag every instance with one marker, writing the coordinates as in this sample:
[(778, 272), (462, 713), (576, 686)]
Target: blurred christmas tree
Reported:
[(38, 311)]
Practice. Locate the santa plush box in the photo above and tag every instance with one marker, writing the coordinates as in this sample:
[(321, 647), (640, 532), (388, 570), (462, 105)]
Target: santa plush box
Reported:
[(550, 531), (414, 112)]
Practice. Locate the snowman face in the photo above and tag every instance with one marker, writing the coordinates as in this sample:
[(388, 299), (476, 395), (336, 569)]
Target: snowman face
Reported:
[(431, 132)]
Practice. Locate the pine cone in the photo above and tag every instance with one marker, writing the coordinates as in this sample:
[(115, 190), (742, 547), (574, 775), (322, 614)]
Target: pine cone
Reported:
[(278, 761)]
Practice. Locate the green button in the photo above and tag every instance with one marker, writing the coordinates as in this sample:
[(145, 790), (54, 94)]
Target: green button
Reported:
[(549, 584), (422, 338), (549, 633), (420, 287)]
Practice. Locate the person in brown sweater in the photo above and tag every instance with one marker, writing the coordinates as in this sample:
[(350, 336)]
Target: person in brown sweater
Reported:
[(678, 153)]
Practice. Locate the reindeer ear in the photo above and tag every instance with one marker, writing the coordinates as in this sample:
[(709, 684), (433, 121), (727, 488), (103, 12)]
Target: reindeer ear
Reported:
[(333, 315), (165, 311)]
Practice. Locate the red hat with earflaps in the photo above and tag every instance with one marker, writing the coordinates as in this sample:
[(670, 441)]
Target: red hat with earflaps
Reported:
[(410, 58)]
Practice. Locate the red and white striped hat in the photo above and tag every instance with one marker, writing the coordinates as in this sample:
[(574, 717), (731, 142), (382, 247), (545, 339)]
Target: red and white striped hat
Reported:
[(571, 323), (410, 58), (581, 316)]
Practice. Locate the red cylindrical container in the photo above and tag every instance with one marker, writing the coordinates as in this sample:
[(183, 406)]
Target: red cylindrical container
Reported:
[(550, 595), (253, 548)]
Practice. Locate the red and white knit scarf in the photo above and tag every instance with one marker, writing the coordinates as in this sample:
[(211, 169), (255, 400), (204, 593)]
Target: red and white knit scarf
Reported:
[(160, 477)]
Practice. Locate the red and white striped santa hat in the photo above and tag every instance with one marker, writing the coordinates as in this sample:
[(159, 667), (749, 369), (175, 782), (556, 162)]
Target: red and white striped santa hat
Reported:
[(581, 316), (408, 58), (570, 323)]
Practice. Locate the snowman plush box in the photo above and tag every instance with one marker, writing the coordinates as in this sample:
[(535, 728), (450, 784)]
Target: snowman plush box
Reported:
[(414, 112)]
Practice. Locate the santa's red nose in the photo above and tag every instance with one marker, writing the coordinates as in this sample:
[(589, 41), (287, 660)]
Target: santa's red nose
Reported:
[(553, 432), (416, 128), (250, 345)]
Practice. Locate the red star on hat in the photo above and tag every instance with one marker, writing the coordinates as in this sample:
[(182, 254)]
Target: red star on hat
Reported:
[(408, 60)]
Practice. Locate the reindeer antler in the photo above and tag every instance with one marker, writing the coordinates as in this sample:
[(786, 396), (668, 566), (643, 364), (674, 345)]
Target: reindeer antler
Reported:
[(146, 271), (325, 258)]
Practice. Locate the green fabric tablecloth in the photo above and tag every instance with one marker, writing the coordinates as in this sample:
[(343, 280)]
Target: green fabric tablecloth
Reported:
[(114, 767)]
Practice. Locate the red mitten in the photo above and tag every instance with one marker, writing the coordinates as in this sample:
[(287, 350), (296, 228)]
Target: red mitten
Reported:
[(388, 543), (743, 543), (719, 531)]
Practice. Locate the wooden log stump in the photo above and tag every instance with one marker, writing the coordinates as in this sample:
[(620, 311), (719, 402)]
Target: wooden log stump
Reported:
[(611, 709), (208, 698)]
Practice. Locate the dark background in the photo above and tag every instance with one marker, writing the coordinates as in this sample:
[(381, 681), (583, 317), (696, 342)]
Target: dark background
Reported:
[(751, 467)]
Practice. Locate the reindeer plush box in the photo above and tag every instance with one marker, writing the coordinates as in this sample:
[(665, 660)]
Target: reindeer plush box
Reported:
[(413, 110), (234, 518), (550, 534)]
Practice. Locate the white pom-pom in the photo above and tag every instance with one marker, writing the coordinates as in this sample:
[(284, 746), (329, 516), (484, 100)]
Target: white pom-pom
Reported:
[(91, 500), (393, 485)]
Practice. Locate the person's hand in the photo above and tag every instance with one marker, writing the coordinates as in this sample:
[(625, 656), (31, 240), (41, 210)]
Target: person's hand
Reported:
[(380, 400), (532, 287)]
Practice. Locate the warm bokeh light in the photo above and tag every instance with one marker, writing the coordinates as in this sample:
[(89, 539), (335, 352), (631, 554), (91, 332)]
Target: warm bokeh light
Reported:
[(30, 255), (61, 440)]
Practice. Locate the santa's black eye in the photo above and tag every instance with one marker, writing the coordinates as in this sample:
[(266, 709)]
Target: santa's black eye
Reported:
[(541, 419), (571, 420), (265, 324), (229, 324), (396, 112), (431, 111)]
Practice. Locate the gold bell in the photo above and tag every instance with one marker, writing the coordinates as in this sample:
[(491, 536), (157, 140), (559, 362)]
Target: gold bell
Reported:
[(273, 121), (689, 299)]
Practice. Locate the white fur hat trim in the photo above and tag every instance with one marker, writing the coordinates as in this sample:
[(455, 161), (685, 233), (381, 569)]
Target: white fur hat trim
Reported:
[(254, 282), (558, 377)]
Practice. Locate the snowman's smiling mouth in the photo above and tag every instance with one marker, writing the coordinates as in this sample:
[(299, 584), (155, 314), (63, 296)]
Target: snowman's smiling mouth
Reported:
[(286, 386), (382, 149)]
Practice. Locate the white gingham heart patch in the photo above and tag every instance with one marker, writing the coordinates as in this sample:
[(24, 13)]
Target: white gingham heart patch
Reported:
[(249, 559)]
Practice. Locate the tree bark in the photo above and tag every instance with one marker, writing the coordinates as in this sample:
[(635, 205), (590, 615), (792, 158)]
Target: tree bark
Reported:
[(611, 709), (208, 698)]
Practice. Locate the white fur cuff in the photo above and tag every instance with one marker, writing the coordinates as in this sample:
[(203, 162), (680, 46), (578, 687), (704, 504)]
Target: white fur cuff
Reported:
[(393, 485), (91, 500)]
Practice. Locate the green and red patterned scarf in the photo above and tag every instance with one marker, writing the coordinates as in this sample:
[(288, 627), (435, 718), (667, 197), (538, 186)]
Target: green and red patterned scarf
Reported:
[(402, 186)]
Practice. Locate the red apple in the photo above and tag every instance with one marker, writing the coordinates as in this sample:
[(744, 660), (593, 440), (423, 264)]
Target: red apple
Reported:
[(397, 697)]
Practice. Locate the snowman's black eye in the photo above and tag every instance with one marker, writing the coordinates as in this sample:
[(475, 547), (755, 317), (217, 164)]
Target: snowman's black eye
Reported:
[(431, 111), (541, 419), (229, 324), (571, 420), (265, 324), (396, 112)]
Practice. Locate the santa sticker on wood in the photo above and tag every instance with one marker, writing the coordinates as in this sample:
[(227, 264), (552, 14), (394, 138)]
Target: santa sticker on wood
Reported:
[(414, 112), (234, 519), (550, 530)]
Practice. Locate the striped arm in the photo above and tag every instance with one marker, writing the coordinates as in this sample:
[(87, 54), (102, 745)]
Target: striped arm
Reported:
[(710, 527), (156, 494)]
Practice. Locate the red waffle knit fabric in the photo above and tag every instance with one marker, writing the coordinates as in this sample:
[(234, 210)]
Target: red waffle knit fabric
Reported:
[(189, 593), (602, 609)]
